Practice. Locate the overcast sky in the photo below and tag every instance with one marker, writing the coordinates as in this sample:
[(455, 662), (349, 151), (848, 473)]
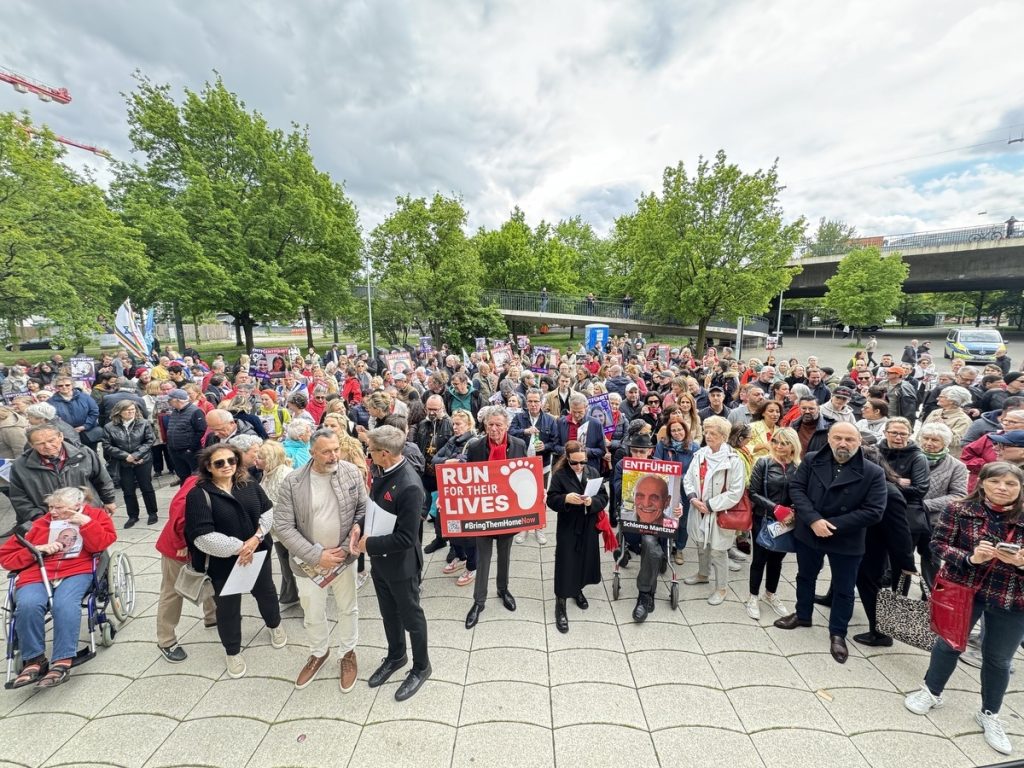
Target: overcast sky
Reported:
[(894, 117)]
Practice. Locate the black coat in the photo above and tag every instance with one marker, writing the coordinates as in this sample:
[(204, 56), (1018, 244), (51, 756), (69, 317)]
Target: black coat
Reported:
[(577, 541), (769, 486), (120, 443), (109, 401), (852, 502), (185, 428), (892, 535), (477, 449), (233, 514), (911, 464), (397, 555)]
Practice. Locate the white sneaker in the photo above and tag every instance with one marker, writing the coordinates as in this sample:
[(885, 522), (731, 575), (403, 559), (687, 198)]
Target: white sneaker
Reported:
[(734, 566), (717, 597), (520, 537), (278, 638), (361, 579), (995, 736), (695, 579), (735, 554), (541, 538), (236, 666), (776, 605), (753, 609), (920, 702)]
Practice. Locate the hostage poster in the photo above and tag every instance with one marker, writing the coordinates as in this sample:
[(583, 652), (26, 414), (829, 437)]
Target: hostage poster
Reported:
[(599, 407), (544, 359), (399, 362), (486, 498), (650, 493), (501, 355)]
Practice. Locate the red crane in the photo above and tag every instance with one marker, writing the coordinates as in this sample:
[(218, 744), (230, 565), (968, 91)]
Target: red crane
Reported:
[(63, 140), (23, 84)]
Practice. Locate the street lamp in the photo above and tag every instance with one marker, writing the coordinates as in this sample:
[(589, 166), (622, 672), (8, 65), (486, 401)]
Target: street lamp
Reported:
[(369, 309)]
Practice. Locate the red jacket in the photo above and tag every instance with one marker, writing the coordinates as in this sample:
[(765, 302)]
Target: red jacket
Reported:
[(976, 455), (351, 392), (97, 535), (172, 537)]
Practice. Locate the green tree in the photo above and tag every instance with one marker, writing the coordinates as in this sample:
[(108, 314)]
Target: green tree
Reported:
[(867, 287), (832, 237), (251, 201), (64, 255), (713, 244), (422, 259)]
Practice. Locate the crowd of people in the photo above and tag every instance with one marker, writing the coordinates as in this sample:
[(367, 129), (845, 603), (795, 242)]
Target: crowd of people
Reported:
[(886, 469)]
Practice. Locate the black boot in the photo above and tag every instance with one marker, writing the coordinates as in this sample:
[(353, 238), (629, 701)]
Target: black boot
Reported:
[(640, 611), (561, 620)]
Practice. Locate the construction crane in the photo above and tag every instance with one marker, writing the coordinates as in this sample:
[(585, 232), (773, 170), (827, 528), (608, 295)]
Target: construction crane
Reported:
[(63, 140), (23, 84)]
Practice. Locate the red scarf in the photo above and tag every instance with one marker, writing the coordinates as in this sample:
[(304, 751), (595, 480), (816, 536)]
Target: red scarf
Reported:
[(499, 451)]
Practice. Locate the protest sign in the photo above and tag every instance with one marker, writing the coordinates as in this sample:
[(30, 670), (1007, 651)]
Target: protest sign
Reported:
[(426, 344), (541, 360), (650, 493), (501, 355), (398, 362), (269, 362), (83, 368), (351, 350), (599, 407), (522, 341), (481, 343), (491, 497)]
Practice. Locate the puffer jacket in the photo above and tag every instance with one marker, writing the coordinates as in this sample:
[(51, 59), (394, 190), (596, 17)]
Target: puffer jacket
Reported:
[(80, 411), (119, 443), (32, 481), (185, 429)]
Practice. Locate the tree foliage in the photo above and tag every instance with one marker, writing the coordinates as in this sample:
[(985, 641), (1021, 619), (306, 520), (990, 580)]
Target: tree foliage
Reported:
[(831, 237), (64, 256), (867, 287), (712, 244), (234, 209)]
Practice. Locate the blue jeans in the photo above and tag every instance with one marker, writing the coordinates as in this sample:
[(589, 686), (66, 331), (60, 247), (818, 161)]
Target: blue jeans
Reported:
[(1003, 633), (682, 537), (844, 577), (30, 617)]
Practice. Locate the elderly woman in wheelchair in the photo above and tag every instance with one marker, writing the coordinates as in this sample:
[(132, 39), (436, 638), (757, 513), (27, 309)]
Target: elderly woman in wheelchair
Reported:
[(54, 572)]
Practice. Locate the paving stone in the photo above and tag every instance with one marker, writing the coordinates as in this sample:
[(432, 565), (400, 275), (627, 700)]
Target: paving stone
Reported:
[(716, 638), (980, 753), (525, 665), (585, 634), (222, 741), (34, 737), (306, 744), (820, 670), (80, 695), (805, 640), (622, 610), (265, 661), (655, 634), (599, 610), (580, 703), (323, 700), (506, 701), (698, 612), (791, 747), (658, 667), (861, 711), (705, 748), (674, 705), (449, 633), (404, 746), (583, 665), (204, 659), (126, 740), (604, 746), (486, 744), (891, 750), (736, 669), (906, 673), (764, 707), (436, 701), (250, 697), (507, 632), (171, 695)]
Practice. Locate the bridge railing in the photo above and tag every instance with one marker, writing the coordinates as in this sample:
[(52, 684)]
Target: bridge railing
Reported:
[(558, 304), (936, 238)]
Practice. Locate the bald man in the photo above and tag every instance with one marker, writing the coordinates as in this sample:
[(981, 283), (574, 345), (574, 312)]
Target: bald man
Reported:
[(837, 495)]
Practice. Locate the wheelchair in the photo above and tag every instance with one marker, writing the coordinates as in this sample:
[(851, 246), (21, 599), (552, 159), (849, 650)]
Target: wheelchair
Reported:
[(112, 588)]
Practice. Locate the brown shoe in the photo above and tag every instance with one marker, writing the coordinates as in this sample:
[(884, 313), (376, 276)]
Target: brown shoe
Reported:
[(349, 672), (308, 672)]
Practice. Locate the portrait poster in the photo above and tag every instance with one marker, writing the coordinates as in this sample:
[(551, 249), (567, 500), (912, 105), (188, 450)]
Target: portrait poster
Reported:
[(426, 344), (481, 343), (501, 355), (83, 368), (491, 497), (399, 362), (650, 493), (67, 534), (541, 359), (600, 408), (522, 342), (351, 350)]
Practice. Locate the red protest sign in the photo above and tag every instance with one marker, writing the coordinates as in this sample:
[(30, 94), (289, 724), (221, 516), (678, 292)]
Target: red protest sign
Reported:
[(486, 498)]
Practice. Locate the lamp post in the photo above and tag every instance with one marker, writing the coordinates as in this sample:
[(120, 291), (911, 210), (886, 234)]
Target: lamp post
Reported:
[(369, 309)]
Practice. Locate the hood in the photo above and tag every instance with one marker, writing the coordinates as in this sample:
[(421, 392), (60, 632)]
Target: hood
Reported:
[(992, 417)]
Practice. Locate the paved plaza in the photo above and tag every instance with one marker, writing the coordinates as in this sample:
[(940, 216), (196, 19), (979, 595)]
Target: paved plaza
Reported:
[(697, 686)]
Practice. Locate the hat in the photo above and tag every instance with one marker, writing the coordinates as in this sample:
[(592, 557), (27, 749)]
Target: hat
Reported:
[(1015, 438), (399, 377), (1012, 376), (716, 389), (177, 394), (644, 441), (843, 392), (896, 369)]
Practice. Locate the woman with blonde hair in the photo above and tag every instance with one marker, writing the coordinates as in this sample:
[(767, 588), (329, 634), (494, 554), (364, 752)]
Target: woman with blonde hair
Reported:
[(197, 398)]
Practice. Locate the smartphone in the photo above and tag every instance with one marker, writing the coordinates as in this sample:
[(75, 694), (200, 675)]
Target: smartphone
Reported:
[(1007, 546)]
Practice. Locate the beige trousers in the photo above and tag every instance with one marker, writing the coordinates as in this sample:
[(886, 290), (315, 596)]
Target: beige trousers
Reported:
[(168, 611)]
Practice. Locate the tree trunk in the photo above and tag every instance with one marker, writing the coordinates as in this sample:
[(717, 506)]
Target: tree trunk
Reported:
[(247, 326), (702, 334), (335, 324), (195, 328), (572, 329), (309, 325), (179, 328), (981, 303), (238, 332)]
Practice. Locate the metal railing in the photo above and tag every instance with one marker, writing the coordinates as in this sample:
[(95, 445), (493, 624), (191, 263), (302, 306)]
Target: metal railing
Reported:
[(937, 238), (601, 309)]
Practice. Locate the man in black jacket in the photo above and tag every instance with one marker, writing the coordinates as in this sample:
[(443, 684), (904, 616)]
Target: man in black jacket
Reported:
[(496, 444), (397, 560), (186, 426), (837, 495), (431, 435)]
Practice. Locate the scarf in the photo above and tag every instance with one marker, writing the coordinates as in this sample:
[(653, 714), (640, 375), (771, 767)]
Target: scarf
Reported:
[(935, 458)]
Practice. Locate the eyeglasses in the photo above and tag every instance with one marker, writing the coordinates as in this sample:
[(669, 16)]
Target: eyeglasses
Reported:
[(577, 463), (897, 434), (61, 386), (221, 463), (320, 399)]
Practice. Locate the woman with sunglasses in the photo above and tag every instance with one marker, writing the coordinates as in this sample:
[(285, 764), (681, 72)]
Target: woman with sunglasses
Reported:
[(651, 410), (227, 519), (577, 544)]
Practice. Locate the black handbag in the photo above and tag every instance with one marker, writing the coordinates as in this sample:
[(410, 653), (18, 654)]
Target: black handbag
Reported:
[(904, 618)]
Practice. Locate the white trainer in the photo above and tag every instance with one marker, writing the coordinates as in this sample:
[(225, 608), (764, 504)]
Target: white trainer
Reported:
[(520, 537), (995, 736), (753, 609), (734, 566), (776, 605), (541, 538), (717, 597), (922, 701), (278, 638), (236, 666)]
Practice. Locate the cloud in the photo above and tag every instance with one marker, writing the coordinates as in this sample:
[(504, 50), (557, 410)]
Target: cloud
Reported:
[(576, 108)]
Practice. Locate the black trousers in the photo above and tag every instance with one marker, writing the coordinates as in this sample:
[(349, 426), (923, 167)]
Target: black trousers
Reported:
[(184, 463), (229, 609), (399, 603), (768, 563), (139, 476), (289, 590), (161, 457), (484, 548)]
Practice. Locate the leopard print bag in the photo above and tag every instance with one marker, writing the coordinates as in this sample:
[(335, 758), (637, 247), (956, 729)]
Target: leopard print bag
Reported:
[(904, 618)]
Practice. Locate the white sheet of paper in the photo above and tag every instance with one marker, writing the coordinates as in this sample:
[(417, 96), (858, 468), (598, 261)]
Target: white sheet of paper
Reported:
[(593, 486), (378, 522), (243, 577)]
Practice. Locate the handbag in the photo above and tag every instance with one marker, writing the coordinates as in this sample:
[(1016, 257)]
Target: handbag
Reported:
[(740, 516), (952, 604), (195, 586), (904, 618), (775, 542)]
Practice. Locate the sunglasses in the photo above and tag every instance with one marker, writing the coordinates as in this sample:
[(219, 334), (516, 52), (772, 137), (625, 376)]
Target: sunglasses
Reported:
[(221, 463), (577, 463)]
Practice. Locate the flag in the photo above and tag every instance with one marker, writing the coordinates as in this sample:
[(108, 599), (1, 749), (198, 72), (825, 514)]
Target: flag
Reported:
[(465, 357), (126, 328), (150, 329)]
